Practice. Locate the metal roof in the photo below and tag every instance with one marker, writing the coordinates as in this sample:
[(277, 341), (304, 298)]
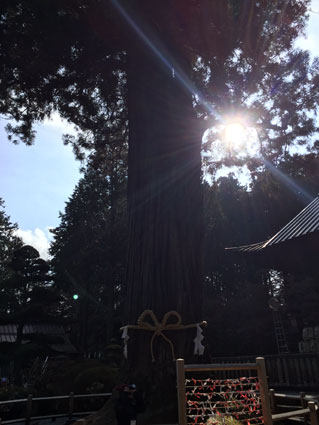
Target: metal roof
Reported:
[(307, 221), (50, 329), (248, 248), (8, 333)]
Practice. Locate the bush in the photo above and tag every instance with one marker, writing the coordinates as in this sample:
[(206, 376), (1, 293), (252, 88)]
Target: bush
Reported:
[(60, 377), (223, 420), (25, 354), (113, 354), (98, 379), (13, 392)]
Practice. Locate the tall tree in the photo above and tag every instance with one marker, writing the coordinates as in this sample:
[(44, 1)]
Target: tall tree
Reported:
[(278, 114), (89, 254), (29, 288), (27, 297), (25, 281), (136, 60), (234, 287), (9, 242)]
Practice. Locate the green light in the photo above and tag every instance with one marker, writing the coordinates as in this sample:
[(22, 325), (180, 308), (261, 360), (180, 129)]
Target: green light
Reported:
[(75, 296)]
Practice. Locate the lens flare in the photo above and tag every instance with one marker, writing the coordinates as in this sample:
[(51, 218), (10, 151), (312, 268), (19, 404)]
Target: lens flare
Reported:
[(235, 133), (235, 138)]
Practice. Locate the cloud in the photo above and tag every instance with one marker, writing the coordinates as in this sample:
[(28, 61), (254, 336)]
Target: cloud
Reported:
[(310, 41), (38, 238), (57, 123)]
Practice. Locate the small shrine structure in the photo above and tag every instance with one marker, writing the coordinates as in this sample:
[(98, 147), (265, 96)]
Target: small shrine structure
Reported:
[(294, 250)]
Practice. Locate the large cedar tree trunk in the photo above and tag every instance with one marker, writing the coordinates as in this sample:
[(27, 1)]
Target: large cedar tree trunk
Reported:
[(165, 205)]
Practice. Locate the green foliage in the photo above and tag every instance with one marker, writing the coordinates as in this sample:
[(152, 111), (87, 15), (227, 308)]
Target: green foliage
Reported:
[(27, 295), (239, 286), (89, 256), (302, 298), (60, 378), (241, 52), (8, 244), (233, 287), (99, 379), (30, 295), (223, 420), (24, 354), (72, 369), (113, 354), (13, 392), (9, 241)]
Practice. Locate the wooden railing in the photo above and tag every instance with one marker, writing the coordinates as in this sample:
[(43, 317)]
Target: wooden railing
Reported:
[(292, 371), (30, 400), (310, 411), (298, 406)]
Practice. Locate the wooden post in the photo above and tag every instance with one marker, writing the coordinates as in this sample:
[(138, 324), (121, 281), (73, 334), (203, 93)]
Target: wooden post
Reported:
[(264, 397), (313, 413), (303, 400), (303, 403), (181, 392), (28, 409), (272, 400), (71, 404)]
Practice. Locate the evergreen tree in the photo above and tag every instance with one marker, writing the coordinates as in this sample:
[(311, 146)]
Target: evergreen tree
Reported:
[(278, 114), (9, 242), (27, 297), (235, 287), (26, 288), (29, 292), (89, 253)]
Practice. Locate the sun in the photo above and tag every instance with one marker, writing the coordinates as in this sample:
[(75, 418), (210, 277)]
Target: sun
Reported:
[(235, 133), (233, 137)]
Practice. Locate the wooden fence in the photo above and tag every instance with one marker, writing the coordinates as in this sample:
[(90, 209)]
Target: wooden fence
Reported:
[(258, 365), (300, 407), (30, 401), (286, 371), (306, 409)]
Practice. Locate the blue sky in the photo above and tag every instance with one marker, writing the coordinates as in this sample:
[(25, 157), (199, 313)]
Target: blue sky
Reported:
[(36, 181)]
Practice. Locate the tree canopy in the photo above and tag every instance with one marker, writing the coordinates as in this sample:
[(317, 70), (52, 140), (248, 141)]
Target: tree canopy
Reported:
[(74, 59)]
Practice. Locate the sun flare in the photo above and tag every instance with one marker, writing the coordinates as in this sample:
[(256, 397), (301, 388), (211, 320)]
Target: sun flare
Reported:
[(235, 133), (234, 137)]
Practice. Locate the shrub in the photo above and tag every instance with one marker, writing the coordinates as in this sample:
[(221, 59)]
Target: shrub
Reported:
[(223, 420), (13, 392), (60, 377), (99, 379), (113, 354)]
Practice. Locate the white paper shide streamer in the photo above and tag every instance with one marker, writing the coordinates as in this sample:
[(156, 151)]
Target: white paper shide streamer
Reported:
[(125, 338), (172, 320), (199, 348)]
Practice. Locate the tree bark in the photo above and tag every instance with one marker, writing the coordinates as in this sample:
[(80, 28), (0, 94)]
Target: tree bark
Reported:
[(164, 198)]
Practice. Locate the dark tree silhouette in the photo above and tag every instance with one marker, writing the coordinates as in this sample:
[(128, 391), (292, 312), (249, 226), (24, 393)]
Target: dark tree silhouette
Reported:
[(9, 242), (89, 254)]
